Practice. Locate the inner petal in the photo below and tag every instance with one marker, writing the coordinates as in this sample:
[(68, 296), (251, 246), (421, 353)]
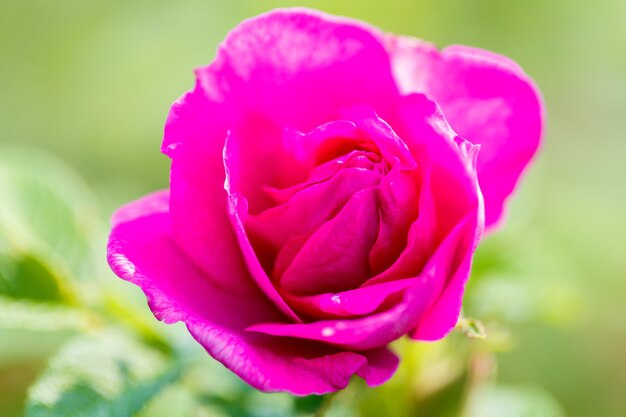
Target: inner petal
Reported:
[(336, 256), (347, 219), (309, 208), (398, 208), (324, 172)]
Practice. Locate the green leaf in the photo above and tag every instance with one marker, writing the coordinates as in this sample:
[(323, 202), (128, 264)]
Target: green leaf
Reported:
[(522, 276), (102, 375), (175, 400), (514, 401), (35, 316), (308, 404), (24, 276), (212, 390), (25, 348), (46, 209)]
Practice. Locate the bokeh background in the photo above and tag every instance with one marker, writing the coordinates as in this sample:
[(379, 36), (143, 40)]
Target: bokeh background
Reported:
[(85, 87)]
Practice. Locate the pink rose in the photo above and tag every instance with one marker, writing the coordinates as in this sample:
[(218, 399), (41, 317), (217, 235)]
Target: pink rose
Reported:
[(321, 204)]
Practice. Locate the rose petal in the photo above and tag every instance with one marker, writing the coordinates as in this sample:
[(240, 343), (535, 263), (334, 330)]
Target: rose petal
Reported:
[(399, 194), (336, 256), (238, 211), (430, 303), (421, 241), (453, 260), (364, 333), (197, 198), (352, 303), (142, 233), (300, 153), (310, 207), (449, 189), (391, 146), (142, 250), (487, 99), (299, 67)]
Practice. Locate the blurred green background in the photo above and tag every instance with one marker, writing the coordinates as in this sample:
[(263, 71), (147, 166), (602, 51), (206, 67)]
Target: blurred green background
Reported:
[(90, 83)]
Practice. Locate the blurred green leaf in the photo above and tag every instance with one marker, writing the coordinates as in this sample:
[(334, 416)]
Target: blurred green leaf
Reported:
[(28, 347), (521, 275), (46, 209), (260, 404), (174, 400), (105, 374), (238, 399), (512, 401), (209, 389), (28, 315), (24, 276), (308, 404), (429, 381)]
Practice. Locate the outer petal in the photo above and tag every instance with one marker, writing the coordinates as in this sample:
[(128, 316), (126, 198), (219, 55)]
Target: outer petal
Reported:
[(237, 212), (487, 99), (194, 138), (451, 214), (443, 313), (294, 68), (142, 250), (299, 67), (449, 189)]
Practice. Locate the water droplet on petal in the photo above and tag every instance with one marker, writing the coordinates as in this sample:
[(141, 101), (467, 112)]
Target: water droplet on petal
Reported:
[(328, 331)]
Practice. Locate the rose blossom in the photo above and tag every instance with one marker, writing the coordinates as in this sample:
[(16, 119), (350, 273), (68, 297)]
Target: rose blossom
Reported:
[(326, 196)]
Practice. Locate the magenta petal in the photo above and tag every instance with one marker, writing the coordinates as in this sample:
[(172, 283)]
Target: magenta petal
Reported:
[(372, 331), (238, 211), (142, 250), (399, 194), (310, 207), (391, 146), (198, 202), (353, 303), (297, 367), (421, 240), (452, 262), (336, 256), (449, 189), (299, 67), (431, 302), (381, 365), (487, 99), (300, 153), (261, 160)]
